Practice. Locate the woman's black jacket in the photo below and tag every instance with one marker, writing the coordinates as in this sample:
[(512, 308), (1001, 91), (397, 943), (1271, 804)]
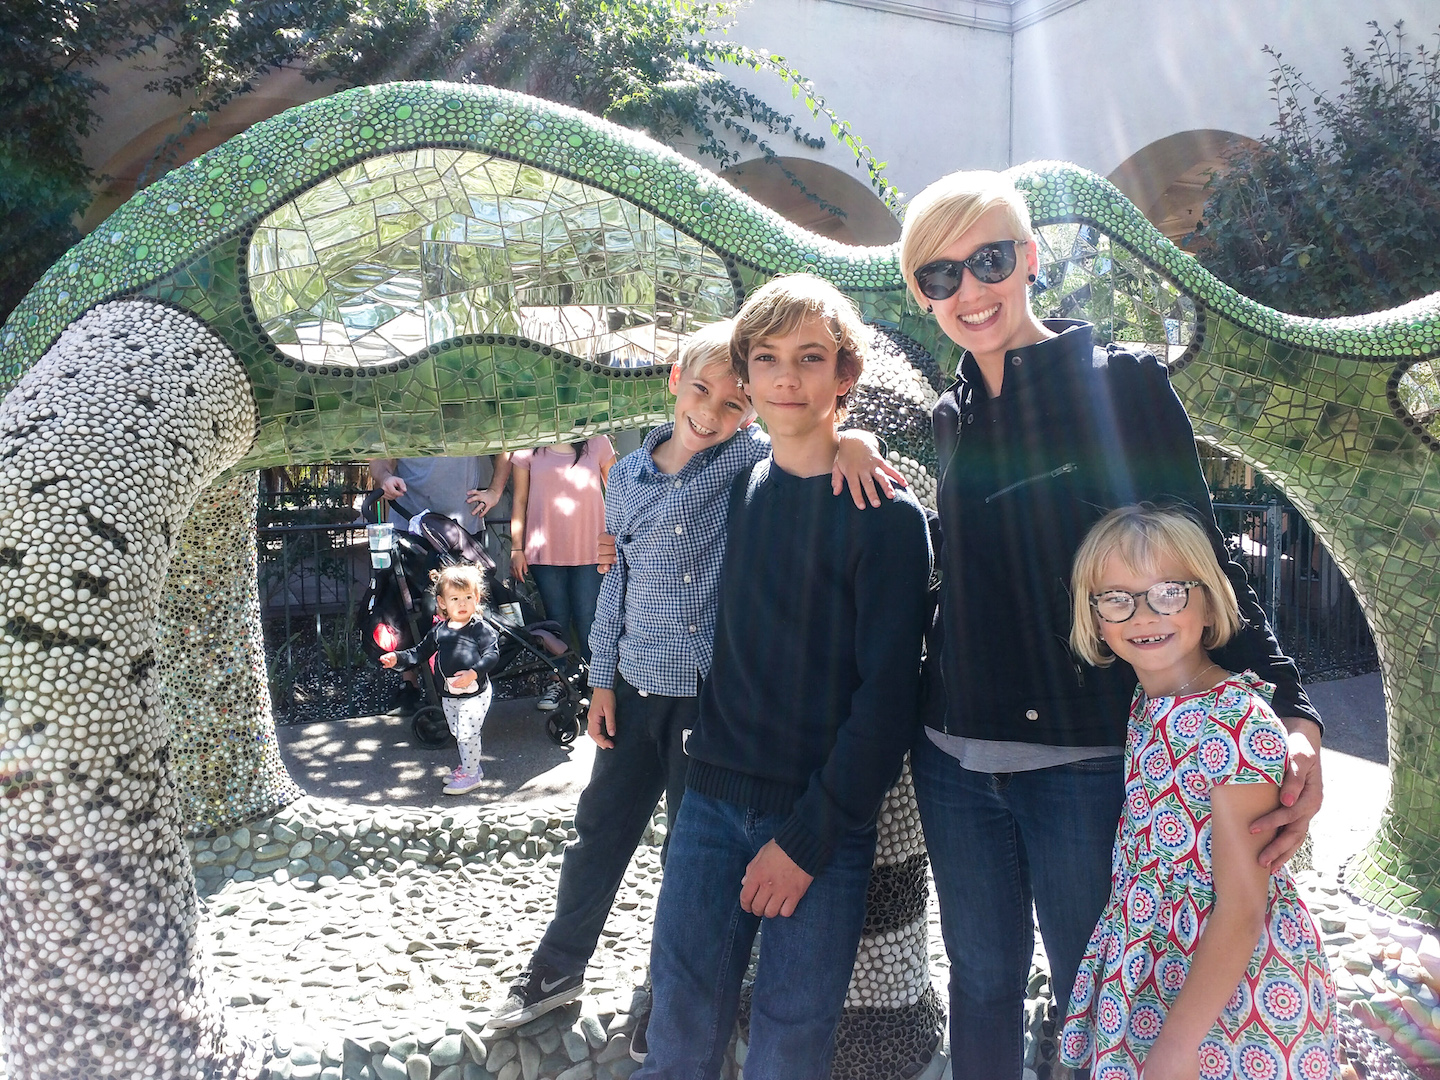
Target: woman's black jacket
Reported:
[(1076, 431)]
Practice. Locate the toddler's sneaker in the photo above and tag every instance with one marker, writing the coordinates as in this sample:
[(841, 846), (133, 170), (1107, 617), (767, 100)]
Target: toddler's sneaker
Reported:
[(459, 782), (537, 991)]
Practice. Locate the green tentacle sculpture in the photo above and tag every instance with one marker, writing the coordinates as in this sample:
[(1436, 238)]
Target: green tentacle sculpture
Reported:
[(424, 268)]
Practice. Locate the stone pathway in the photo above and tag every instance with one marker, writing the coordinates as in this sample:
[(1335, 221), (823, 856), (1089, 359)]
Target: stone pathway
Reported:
[(366, 943), (371, 942)]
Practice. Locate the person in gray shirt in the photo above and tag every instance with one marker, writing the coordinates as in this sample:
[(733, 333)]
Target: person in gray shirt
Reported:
[(470, 490)]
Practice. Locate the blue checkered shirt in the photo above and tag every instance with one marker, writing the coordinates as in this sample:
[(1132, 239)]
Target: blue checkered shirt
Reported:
[(656, 615)]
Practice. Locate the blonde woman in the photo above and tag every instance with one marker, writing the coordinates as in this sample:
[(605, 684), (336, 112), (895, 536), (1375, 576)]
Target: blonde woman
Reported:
[(1019, 770)]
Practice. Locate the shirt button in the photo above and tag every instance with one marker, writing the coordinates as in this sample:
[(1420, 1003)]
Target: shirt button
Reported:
[(693, 628), (679, 483), (687, 579), (679, 529), (1014, 361), (1031, 714)]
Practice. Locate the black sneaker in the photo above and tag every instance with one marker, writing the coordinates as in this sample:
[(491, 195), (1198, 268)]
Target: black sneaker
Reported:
[(639, 1038), (540, 989)]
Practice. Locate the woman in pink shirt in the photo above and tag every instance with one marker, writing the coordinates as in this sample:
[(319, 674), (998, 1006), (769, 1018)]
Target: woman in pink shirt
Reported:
[(555, 526)]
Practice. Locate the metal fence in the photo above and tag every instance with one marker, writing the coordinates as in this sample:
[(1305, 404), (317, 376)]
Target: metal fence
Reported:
[(1307, 599), (311, 581), (312, 578)]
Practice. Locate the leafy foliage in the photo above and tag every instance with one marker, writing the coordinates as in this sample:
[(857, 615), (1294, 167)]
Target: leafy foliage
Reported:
[(47, 48), (647, 64), (1338, 214)]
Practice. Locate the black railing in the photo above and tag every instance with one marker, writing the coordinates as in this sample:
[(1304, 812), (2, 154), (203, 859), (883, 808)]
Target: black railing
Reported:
[(311, 582), (312, 579), (1307, 599)]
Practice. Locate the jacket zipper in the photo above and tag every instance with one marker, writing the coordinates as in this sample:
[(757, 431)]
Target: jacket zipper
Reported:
[(1068, 467)]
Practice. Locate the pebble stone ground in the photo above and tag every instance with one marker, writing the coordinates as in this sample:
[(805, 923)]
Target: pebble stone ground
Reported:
[(365, 941), (392, 931), (368, 944)]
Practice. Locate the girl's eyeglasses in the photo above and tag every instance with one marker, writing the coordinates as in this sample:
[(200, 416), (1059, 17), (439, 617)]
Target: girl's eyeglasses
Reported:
[(990, 263), (1163, 598)]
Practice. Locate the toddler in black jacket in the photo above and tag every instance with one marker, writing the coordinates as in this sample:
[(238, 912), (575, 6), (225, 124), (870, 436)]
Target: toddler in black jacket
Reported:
[(466, 650)]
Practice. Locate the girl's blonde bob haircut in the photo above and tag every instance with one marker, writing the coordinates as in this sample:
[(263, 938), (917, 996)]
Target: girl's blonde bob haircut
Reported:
[(458, 577), (782, 304), (1141, 537), (947, 209)]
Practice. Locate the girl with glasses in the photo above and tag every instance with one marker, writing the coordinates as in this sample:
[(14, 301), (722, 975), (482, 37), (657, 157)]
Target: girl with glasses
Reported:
[(1204, 963), (1019, 772)]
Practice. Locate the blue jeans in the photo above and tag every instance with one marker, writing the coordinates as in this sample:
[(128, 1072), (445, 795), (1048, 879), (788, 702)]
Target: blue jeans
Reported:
[(999, 842), (701, 948), (570, 594), (626, 781)]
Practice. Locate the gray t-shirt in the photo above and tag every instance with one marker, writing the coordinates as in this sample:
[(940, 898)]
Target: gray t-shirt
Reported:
[(442, 483), (995, 756)]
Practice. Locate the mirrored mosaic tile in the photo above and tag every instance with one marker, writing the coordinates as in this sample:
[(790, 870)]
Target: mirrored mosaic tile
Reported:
[(1084, 275), (409, 250)]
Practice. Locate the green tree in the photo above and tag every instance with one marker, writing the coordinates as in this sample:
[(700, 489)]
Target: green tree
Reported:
[(47, 91), (1338, 211), (651, 65)]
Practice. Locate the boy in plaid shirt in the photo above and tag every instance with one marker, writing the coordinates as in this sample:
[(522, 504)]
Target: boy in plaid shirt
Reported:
[(652, 640)]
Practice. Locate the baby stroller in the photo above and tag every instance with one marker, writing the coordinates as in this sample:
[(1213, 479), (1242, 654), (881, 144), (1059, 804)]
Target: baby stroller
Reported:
[(397, 611)]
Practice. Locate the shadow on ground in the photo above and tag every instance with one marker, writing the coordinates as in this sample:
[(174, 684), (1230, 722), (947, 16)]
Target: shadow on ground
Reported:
[(375, 760)]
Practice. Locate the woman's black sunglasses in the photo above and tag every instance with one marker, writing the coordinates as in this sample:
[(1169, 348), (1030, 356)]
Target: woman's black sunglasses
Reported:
[(991, 264)]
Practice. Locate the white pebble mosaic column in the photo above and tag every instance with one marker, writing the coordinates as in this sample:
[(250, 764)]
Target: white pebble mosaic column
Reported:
[(892, 1023), (104, 446), (211, 662)]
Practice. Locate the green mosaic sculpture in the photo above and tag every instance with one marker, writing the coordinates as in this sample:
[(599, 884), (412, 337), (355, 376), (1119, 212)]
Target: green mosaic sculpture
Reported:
[(415, 269)]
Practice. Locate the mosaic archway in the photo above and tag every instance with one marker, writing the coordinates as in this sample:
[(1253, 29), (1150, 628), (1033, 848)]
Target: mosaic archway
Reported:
[(422, 268)]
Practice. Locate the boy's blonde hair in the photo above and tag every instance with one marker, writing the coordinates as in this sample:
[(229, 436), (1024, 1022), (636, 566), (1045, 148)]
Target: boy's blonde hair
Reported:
[(708, 345), (778, 308), (1141, 537), (457, 576), (946, 210)]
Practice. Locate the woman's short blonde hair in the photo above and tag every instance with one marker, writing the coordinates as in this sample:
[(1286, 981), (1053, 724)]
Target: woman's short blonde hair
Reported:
[(778, 308), (1141, 537), (946, 210)]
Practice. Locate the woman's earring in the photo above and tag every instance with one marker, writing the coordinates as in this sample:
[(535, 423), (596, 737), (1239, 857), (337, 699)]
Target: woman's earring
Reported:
[(1030, 278), (929, 309)]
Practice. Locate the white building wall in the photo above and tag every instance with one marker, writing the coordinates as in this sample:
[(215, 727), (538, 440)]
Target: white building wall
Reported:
[(937, 85), (928, 96), (1103, 79)]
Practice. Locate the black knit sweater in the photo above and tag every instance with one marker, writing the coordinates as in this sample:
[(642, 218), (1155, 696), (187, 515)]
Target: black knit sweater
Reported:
[(811, 700)]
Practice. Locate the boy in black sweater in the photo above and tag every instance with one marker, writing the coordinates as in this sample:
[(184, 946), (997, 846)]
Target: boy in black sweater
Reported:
[(804, 721)]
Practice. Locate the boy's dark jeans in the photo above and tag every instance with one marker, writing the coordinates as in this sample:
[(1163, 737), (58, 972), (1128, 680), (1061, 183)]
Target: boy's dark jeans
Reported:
[(647, 760)]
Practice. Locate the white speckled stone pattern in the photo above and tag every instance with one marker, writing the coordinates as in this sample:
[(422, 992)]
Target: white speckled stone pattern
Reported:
[(893, 1019), (211, 662), (104, 446)]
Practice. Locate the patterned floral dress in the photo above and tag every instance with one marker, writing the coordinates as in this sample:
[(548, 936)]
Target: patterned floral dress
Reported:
[(1280, 1023)]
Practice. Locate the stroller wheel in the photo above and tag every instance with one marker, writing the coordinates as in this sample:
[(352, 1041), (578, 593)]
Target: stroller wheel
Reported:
[(561, 725), (429, 726)]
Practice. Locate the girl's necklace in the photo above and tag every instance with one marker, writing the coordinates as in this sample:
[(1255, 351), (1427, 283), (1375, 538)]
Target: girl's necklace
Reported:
[(1189, 682)]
